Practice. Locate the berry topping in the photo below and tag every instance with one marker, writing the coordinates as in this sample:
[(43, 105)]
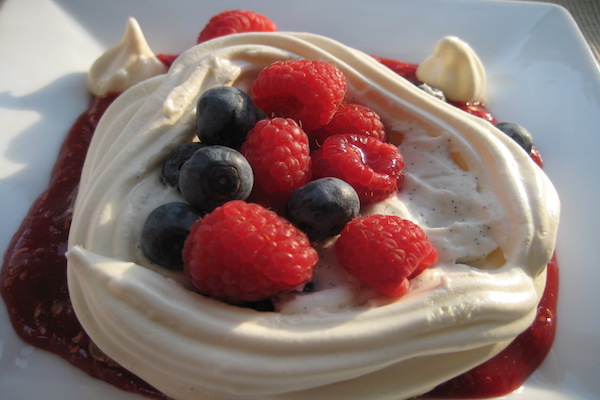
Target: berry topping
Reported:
[(323, 207), (215, 175), (164, 232), (175, 160), (278, 151), (517, 133), (309, 92), (352, 119), (224, 115), (235, 21), (242, 252), (384, 252), (371, 167)]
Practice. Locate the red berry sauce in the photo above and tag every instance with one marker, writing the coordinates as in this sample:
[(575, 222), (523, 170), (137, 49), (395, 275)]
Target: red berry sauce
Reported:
[(33, 282), (510, 368)]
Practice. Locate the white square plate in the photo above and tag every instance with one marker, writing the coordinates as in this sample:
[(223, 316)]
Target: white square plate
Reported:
[(541, 74)]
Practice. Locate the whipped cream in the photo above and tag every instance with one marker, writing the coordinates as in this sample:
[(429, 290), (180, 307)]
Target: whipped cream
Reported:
[(129, 62), (489, 210), (455, 69)]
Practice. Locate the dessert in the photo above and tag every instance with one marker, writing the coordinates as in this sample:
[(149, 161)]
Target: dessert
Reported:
[(457, 314)]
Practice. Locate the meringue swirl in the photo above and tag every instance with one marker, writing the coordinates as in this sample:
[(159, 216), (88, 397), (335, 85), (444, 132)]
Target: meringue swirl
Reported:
[(490, 211)]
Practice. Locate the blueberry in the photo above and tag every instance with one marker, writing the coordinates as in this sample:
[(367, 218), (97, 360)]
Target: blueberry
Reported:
[(215, 175), (262, 305), (174, 161), (323, 207), (164, 232), (437, 93), (224, 115), (518, 133)]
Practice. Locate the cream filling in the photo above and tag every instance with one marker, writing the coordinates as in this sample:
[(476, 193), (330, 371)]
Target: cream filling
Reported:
[(490, 211)]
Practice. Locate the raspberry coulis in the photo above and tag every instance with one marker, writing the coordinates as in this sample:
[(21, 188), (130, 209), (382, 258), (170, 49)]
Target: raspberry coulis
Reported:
[(33, 282), (510, 368)]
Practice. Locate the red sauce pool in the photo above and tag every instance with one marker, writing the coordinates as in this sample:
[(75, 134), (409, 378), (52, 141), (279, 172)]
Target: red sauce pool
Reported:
[(510, 368), (33, 279), (33, 283)]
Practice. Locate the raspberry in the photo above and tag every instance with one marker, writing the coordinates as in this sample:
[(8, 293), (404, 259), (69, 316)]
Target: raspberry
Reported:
[(278, 151), (371, 167), (309, 92), (242, 252), (235, 21), (352, 119), (384, 252)]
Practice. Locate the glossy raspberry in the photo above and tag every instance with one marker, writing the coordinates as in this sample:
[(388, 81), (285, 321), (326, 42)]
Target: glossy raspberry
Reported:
[(242, 252), (354, 119), (278, 151), (371, 167), (235, 21), (309, 92), (384, 252)]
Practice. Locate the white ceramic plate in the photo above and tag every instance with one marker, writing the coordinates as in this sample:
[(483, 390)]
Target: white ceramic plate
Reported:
[(541, 74)]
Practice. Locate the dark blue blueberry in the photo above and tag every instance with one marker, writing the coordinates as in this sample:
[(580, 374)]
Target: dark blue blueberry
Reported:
[(174, 161), (309, 287), (224, 115), (518, 133), (215, 175), (262, 305), (323, 207), (165, 231)]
